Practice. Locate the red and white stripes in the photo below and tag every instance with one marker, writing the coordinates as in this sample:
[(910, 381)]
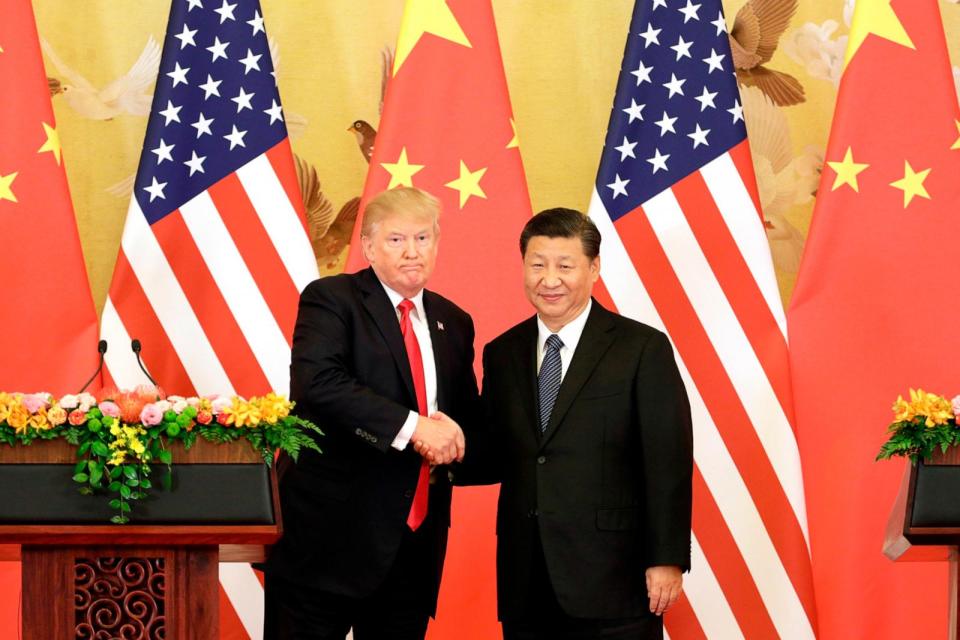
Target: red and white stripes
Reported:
[(694, 262)]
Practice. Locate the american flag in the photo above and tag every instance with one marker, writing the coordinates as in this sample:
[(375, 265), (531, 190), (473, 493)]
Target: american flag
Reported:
[(684, 250), (215, 251)]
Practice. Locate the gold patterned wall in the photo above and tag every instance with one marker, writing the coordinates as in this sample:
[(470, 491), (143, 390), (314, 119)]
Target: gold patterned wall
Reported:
[(561, 59)]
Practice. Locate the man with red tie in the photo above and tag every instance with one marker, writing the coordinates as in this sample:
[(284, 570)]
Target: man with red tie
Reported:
[(380, 364)]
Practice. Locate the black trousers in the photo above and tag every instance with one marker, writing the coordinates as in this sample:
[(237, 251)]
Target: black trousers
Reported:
[(397, 610), (545, 619)]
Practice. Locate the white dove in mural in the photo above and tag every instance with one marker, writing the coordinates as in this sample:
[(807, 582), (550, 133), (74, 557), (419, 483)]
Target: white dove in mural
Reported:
[(782, 179), (125, 95)]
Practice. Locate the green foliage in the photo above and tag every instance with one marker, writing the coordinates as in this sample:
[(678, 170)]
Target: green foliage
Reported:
[(913, 439)]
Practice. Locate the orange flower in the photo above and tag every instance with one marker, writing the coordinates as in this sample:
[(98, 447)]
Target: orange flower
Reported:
[(57, 415)]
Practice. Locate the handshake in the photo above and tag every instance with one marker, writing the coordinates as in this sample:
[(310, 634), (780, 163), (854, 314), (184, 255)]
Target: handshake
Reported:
[(439, 439)]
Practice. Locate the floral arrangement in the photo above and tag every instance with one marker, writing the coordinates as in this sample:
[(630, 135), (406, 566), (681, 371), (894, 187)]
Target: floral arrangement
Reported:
[(921, 425), (119, 435)]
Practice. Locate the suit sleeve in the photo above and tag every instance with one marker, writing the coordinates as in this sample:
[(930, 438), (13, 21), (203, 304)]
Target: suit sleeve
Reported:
[(321, 375), (667, 443)]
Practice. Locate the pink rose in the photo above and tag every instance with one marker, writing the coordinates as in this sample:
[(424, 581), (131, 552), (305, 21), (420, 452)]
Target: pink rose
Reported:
[(69, 401), (77, 417), (193, 402), (33, 402), (221, 403), (956, 406), (163, 405), (109, 409), (151, 414)]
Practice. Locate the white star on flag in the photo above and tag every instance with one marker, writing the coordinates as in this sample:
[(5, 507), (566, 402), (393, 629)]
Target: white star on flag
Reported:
[(659, 160), (218, 49), (163, 151), (699, 136), (619, 186), (642, 73), (626, 149)]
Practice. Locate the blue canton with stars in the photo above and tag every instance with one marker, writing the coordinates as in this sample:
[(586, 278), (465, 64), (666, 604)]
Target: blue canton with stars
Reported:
[(677, 106), (215, 106)]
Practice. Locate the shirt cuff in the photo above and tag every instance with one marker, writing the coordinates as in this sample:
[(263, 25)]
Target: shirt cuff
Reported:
[(406, 432)]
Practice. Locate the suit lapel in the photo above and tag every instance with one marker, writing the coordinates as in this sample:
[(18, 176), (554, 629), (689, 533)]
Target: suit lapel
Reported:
[(441, 348), (525, 372), (384, 316), (594, 342)]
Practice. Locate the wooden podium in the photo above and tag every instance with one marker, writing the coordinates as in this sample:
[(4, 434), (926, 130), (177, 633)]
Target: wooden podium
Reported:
[(924, 524), (154, 578)]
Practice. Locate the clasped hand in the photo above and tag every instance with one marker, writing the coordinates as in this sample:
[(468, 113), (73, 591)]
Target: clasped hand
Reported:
[(439, 439)]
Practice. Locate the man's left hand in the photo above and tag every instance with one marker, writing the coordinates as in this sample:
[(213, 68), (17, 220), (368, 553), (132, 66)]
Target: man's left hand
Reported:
[(664, 585)]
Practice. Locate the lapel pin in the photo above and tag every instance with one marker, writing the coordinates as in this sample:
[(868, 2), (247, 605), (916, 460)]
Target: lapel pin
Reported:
[(439, 326)]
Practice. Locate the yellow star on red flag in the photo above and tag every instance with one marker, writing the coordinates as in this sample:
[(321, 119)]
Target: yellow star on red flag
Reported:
[(911, 183), (401, 172), (426, 16), (52, 143), (515, 140), (468, 184), (847, 171), (6, 187), (875, 17)]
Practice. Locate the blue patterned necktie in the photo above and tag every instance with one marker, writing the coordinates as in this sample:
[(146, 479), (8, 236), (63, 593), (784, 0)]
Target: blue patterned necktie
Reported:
[(551, 372)]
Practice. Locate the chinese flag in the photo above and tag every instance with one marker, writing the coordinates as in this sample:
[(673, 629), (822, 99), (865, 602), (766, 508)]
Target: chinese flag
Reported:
[(447, 127), (875, 312), (48, 327)]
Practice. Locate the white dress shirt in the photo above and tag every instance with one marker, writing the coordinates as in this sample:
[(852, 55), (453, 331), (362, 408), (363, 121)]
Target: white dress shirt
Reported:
[(570, 336), (418, 319)]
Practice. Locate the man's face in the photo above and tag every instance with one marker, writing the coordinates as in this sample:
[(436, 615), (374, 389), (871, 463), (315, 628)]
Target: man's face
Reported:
[(558, 278), (402, 249)]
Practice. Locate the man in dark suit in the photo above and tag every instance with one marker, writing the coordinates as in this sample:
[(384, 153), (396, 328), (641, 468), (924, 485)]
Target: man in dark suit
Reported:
[(374, 354), (590, 436)]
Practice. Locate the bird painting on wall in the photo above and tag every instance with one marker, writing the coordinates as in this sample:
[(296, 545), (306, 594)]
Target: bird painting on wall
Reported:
[(783, 178), (757, 29), (330, 234), (124, 96)]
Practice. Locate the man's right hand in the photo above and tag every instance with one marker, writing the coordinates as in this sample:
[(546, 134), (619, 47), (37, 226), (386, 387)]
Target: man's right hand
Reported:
[(438, 439)]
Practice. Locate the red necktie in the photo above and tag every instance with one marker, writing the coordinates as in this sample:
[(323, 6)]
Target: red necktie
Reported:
[(418, 510)]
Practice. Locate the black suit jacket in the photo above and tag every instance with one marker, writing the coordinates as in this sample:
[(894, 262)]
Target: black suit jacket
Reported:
[(608, 487), (345, 510)]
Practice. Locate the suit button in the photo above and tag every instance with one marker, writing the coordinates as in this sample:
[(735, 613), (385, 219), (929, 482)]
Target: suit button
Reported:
[(408, 493), (542, 460), (533, 513)]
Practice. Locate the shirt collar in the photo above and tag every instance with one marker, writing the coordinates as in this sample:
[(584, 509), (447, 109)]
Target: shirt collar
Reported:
[(570, 333), (396, 299)]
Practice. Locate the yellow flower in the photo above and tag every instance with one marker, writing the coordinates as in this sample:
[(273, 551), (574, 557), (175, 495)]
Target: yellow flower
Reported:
[(57, 415), (38, 421), (18, 417), (934, 409), (240, 414), (6, 402), (118, 457), (273, 407)]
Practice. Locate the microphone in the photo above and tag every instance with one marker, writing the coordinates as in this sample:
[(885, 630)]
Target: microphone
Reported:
[(136, 347), (101, 349)]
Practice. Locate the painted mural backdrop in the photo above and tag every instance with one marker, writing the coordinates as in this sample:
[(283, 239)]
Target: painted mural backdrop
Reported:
[(561, 59)]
